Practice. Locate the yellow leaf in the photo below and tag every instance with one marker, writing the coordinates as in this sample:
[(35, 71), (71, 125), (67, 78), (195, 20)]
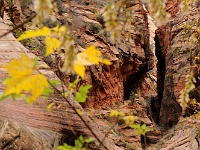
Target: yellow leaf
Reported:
[(20, 67), (51, 45), (15, 85), (82, 59), (79, 69), (59, 106), (93, 51), (106, 61), (22, 80), (121, 114), (56, 43), (56, 29), (129, 120), (91, 56), (50, 106), (198, 30), (88, 57), (45, 31), (28, 84), (38, 87), (79, 112), (43, 66), (114, 113), (94, 59), (60, 30)]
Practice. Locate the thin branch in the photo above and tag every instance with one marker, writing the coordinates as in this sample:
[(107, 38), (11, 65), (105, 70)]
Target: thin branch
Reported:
[(111, 128), (18, 26), (22, 24), (78, 115)]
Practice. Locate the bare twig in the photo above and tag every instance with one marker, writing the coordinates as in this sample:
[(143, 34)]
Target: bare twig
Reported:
[(112, 127), (18, 26), (78, 115), (22, 24)]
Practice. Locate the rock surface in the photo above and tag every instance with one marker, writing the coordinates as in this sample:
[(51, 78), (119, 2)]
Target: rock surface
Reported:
[(132, 69), (185, 135), (113, 83), (131, 60), (36, 115), (173, 56), (14, 136)]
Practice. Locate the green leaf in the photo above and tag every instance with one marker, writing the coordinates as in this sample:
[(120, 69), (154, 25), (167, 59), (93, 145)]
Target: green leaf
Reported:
[(79, 142), (65, 147), (35, 61), (47, 91), (144, 127), (65, 94), (18, 97), (136, 126), (89, 140), (139, 131), (3, 97), (55, 82), (81, 96), (14, 96), (73, 84)]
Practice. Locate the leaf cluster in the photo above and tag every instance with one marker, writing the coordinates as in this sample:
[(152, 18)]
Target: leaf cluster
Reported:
[(79, 144), (130, 121), (23, 79)]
